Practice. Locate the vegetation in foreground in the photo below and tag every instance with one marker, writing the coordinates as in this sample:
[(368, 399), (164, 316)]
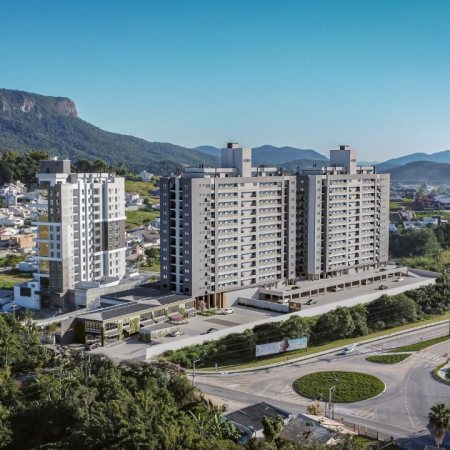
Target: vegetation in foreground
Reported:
[(388, 359), (439, 422), (350, 386), (89, 402)]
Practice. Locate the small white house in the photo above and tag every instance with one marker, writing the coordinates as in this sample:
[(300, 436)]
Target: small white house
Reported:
[(145, 176), (27, 294)]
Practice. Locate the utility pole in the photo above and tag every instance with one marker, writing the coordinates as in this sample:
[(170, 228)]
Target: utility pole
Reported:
[(193, 369), (331, 403)]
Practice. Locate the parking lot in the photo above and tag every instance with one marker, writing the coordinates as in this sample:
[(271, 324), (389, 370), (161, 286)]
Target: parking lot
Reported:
[(132, 348)]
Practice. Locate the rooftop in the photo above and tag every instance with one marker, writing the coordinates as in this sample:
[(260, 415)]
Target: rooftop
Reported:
[(252, 416), (135, 300)]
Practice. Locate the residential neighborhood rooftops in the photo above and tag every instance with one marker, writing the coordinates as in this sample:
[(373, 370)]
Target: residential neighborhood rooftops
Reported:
[(251, 416)]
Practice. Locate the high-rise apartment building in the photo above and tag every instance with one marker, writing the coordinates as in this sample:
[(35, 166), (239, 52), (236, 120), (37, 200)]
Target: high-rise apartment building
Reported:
[(227, 228), (342, 218), (83, 236)]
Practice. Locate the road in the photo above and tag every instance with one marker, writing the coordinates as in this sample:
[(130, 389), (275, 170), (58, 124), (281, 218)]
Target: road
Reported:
[(401, 411)]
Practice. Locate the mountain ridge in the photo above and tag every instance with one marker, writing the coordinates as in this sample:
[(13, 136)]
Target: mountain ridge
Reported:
[(32, 121)]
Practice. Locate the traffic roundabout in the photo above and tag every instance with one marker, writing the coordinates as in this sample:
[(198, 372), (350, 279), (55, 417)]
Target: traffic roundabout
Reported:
[(343, 387)]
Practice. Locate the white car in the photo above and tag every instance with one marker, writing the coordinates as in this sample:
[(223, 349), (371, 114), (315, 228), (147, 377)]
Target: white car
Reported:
[(228, 311), (348, 349), (399, 279)]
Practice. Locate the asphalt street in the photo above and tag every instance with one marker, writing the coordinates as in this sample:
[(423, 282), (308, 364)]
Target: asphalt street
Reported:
[(401, 411)]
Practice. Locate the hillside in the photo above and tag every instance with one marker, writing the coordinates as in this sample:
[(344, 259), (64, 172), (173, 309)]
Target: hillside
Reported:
[(438, 157), (419, 172), (32, 121), (271, 155), (293, 166)]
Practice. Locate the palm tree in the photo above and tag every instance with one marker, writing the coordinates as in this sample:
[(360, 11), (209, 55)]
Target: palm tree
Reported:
[(439, 422)]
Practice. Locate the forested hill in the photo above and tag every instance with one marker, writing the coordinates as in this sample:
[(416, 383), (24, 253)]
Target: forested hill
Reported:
[(421, 172), (31, 121)]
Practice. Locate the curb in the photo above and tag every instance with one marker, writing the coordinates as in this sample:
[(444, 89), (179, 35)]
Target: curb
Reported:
[(315, 355)]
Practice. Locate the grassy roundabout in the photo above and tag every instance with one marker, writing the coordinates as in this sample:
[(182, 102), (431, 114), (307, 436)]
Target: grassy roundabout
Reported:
[(350, 387), (388, 359)]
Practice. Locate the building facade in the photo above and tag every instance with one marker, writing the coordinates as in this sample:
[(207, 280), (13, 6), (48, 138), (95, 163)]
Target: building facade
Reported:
[(227, 228), (83, 236), (342, 218)]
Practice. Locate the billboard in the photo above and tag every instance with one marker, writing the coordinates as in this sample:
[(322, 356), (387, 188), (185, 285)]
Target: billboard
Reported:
[(285, 345)]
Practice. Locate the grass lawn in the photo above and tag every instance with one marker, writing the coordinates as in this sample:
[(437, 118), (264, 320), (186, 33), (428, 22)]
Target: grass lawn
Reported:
[(155, 267), (321, 348), (396, 204), (445, 214), (144, 189), (420, 345), (12, 277), (388, 359), (140, 217), (350, 386)]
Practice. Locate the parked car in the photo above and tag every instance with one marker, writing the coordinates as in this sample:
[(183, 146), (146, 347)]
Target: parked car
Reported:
[(383, 287), (399, 279), (210, 330), (175, 333), (336, 288), (228, 311)]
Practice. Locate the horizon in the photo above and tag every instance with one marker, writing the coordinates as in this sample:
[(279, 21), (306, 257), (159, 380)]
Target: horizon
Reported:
[(306, 75)]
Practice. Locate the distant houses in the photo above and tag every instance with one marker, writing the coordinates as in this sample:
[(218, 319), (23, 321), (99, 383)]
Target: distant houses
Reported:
[(146, 176)]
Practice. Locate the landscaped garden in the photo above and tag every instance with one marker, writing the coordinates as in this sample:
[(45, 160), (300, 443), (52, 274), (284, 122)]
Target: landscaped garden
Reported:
[(350, 386), (420, 345), (388, 359)]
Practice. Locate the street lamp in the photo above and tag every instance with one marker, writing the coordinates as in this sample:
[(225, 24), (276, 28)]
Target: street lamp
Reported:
[(193, 369), (330, 401)]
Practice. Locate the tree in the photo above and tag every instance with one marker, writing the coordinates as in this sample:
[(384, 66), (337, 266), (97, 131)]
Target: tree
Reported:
[(439, 422), (359, 317), (268, 332), (272, 426), (295, 327), (336, 324), (414, 242), (5, 426)]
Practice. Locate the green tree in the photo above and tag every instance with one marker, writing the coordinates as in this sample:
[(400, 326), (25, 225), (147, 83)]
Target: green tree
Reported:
[(268, 332), (5, 427), (295, 327), (272, 426), (439, 422), (333, 325)]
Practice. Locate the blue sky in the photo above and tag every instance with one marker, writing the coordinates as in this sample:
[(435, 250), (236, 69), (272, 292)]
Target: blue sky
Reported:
[(311, 74)]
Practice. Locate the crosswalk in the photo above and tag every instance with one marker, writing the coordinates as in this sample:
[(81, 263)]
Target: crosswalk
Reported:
[(428, 356)]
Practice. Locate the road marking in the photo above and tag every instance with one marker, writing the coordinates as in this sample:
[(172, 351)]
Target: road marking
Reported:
[(406, 398), (369, 413)]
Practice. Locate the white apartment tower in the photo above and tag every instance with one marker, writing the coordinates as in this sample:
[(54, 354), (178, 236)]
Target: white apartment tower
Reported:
[(228, 228), (342, 218), (83, 237)]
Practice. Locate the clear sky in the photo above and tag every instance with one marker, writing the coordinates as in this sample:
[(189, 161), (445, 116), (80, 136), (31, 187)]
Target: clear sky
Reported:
[(311, 74)]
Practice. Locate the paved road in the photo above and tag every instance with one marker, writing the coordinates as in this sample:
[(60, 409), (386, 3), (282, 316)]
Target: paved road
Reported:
[(401, 411)]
